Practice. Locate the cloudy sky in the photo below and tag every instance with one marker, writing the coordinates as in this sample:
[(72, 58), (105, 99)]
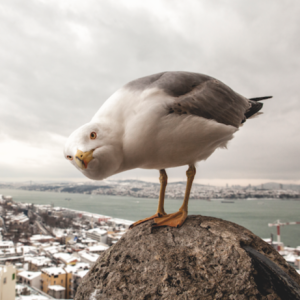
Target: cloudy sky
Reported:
[(61, 59)]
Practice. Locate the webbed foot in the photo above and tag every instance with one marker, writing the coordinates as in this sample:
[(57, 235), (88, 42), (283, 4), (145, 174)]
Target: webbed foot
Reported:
[(157, 215), (172, 220)]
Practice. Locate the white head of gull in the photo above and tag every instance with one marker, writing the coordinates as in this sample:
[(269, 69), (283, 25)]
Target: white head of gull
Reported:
[(160, 121)]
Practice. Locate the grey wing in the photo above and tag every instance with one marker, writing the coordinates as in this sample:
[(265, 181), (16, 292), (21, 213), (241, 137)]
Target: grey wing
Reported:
[(200, 95)]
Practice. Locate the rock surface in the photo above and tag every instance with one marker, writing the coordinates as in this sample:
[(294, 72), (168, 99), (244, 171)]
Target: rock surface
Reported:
[(206, 258)]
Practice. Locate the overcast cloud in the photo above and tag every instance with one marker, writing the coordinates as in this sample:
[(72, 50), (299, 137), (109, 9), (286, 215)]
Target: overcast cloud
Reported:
[(60, 60)]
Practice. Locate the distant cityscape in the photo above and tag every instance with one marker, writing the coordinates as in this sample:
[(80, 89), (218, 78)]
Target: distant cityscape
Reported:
[(175, 190), (45, 251)]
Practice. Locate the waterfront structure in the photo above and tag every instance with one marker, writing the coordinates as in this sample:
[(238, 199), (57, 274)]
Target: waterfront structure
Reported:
[(7, 282), (278, 224)]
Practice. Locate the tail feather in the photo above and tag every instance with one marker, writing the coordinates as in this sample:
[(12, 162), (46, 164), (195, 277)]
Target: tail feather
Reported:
[(254, 107), (260, 98), (255, 115)]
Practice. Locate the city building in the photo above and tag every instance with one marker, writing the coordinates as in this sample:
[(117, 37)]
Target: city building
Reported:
[(70, 270), (6, 244), (56, 291), (7, 282), (37, 263), (41, 238), (66, 258), (88, 257), (32, 279), (98, 248), (52, 276), (97, 234), (19, 219), (25, 292), (76, 280)]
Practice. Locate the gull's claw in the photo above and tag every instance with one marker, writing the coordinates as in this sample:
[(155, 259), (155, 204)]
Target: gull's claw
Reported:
[(157, 215), (172, 220)]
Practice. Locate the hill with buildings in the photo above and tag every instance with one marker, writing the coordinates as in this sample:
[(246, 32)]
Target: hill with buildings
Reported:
[(174, 190)]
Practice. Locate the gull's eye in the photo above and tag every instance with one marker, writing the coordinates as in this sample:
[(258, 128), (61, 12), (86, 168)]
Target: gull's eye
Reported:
[(93, 135), (69, 157)]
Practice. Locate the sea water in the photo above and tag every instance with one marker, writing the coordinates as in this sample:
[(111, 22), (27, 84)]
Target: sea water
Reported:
[(252, 214)]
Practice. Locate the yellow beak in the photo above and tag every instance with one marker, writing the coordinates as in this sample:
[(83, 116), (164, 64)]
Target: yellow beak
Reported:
[(83, 158)]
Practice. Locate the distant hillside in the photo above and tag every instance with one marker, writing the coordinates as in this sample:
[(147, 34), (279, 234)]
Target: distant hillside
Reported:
[(83, 188), (279, 186), (134, 185)]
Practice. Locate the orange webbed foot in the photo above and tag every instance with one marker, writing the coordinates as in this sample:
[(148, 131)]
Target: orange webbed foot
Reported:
[(172, 220), (157, 215)]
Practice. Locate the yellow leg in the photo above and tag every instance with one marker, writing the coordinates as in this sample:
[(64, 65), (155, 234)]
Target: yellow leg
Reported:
[(178, 218), (163, 178)]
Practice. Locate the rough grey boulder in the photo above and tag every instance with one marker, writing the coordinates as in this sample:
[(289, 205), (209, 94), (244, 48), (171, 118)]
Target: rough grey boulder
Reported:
[(206, 258)]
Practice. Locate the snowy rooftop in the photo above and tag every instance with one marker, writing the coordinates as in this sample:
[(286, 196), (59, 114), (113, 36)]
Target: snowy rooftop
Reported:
[(20, 218), (88, 240), (57, 208), (39, 237), (52, 249), (66, 257), (121, 221), (62, 255), (53, 271), (290, 258), (33, 296), (20, 250), (4, 259), (96, 216), (6, 244), (56, 287), (81, 274), (97, 248), (29, 275), (26, 249), (267, 240), (89, 256), (78, 267), (39, 260), (78, 245), (7, 250), (98, 231)]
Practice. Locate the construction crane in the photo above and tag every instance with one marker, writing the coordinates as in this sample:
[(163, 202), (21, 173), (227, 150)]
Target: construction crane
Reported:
[(278, 224)]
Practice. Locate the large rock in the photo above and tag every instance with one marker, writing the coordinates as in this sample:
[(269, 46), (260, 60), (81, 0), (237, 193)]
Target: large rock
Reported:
[(206, 258)]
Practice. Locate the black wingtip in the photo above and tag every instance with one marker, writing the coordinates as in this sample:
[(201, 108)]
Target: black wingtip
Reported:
[(260, 98)]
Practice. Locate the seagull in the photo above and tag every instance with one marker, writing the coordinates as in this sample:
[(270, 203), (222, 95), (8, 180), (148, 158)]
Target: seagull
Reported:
[(161, 121)]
